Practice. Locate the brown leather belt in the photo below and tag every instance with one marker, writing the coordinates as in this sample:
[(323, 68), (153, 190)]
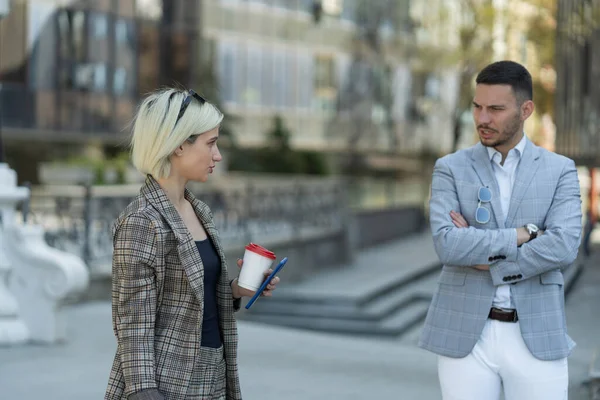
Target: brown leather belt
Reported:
[(503, 315)]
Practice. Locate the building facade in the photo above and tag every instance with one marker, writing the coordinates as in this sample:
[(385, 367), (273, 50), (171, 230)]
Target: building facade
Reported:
[(72, 72), (578, 74)]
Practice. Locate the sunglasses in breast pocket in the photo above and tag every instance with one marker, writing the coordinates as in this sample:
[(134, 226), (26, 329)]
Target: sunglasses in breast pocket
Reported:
[(482, 213)]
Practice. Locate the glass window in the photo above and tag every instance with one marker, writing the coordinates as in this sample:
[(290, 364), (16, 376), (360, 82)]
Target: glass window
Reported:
[(121, 32), (279, 78), (325, 81), (305, 79), (72, 34), (268, 91), (291, 77), (120, 81), (226, 70), (100, 77), (125, 57), (99, 25), (252, 92), (324, 71)]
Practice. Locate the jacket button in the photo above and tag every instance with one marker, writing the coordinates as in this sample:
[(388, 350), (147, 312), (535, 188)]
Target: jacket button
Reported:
[(506, 279), (503, 257), (491, 259), (519, 276)]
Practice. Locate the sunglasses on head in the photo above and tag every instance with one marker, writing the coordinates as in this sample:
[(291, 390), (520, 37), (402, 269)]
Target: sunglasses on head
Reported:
[(190, 94)]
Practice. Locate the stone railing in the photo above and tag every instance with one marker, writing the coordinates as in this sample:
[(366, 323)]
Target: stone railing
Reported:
[(78, 219)]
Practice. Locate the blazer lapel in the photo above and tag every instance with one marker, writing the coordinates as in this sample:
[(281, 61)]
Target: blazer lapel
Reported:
[(524, 174), (483, 167), (187, 249), (204, 215)]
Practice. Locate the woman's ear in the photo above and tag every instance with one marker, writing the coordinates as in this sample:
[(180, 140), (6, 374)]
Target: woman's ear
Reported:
[(179, 151)]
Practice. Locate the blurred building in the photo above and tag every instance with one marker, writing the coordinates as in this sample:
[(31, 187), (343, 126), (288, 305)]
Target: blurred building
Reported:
[(72, 72), (578, 74)]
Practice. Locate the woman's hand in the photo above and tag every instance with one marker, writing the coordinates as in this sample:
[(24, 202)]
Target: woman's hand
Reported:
[(239, 291)]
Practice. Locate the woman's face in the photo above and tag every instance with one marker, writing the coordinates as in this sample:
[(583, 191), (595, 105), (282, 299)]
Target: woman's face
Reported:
[(195, 161)]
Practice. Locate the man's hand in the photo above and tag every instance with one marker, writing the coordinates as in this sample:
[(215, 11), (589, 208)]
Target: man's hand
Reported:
[(460, 222), (523, 235)]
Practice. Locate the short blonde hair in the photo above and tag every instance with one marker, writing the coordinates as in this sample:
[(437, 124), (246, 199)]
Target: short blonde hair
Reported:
[(155, 134)]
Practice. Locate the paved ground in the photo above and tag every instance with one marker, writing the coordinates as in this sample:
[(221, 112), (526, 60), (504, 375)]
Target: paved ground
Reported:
[(279, 363), (275, 363)]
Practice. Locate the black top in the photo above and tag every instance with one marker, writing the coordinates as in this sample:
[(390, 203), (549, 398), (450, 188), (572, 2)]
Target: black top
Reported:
[(211, 335)]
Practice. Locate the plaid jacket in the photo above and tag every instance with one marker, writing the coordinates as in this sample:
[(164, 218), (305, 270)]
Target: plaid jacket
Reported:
[(546, 193), (157, 300)]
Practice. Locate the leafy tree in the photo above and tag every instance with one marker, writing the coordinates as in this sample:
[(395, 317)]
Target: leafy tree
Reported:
[(473, 53)]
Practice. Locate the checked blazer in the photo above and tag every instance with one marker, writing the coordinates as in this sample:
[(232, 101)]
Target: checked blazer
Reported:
[(546, 193), (157, 300)]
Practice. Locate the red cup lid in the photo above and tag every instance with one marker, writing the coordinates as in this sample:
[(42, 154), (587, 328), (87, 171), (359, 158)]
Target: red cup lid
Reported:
[(261, 251)]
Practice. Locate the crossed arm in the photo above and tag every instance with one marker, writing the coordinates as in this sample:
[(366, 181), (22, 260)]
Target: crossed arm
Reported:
[(468, 246)]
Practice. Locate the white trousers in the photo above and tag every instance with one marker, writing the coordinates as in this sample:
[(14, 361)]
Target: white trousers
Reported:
[(501, 359)]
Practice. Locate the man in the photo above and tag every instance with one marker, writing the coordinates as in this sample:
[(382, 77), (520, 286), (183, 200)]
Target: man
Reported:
[(506, 218)]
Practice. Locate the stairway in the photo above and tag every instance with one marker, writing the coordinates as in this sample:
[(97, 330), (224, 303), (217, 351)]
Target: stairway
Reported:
[(389, 311)]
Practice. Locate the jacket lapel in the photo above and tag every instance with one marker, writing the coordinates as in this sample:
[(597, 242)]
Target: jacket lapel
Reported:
[(187, 249), (204, 215), (524, 174), (483, 167)]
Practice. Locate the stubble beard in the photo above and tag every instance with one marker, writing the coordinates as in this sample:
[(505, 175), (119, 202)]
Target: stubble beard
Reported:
[(507, 134)]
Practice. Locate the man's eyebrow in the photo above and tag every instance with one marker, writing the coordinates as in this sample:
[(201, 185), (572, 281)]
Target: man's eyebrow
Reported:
[(490, 106)]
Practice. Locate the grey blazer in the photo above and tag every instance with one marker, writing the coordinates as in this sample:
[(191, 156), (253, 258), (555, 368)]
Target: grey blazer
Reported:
[(158, 301), (546, 193)]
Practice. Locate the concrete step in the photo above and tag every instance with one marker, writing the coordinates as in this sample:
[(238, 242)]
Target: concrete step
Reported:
[(392, 326), (378, 307)]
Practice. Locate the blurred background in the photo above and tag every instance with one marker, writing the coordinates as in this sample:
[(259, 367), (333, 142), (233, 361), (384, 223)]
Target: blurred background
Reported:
[(335, 111)]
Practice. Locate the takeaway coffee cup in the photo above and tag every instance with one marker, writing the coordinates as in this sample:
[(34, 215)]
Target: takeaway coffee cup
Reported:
[(257, 260)]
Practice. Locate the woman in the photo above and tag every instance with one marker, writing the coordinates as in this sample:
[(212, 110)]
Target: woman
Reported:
[(172, 300)]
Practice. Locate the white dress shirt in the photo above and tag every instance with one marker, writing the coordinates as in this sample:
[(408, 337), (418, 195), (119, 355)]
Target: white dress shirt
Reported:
[(505, 176)]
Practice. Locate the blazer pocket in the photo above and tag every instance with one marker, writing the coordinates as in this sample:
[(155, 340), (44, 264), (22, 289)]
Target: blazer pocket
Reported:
[(452, 278), (552, 278)]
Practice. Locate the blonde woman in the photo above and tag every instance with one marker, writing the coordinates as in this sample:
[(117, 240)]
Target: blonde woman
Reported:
[(172, 301)]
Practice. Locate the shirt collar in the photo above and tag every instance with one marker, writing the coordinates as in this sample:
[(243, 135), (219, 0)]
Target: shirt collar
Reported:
[(520, 147)]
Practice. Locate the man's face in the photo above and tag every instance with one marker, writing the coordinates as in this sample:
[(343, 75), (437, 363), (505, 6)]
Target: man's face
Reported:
[(497, 114)]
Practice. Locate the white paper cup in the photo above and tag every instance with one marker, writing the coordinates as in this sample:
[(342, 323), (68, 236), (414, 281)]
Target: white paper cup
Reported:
[(257, 260)]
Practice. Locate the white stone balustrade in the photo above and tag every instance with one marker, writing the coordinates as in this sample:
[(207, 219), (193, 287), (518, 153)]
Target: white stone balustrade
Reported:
[(39, 277), (41, 280), (12, 328)]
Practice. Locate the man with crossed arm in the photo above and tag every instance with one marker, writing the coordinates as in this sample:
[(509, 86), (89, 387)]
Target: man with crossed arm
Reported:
[(506, 219)]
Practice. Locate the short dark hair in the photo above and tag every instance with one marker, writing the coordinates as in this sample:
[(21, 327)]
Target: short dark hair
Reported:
[(508, 73)]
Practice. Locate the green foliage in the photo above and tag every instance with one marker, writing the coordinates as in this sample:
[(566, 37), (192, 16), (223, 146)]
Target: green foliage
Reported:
[(278, 157), (100, 167), (542, 34)]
